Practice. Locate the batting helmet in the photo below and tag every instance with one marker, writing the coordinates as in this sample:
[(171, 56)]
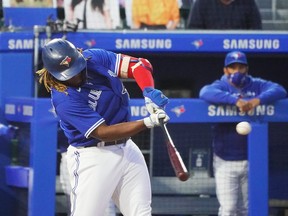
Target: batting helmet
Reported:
[(62, 59)]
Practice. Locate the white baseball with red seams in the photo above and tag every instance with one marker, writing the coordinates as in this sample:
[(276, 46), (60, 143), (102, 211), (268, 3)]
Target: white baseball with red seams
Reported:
[(243, 128)]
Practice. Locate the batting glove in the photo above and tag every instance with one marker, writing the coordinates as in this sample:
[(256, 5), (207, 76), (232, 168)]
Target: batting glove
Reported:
[(154, 99), (154, 119)]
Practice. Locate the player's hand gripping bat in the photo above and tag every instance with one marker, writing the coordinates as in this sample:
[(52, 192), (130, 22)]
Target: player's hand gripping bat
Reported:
[(175, 158)]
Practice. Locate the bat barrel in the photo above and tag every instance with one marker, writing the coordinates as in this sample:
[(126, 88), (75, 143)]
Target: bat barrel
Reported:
[(183, 176), (175, 157)]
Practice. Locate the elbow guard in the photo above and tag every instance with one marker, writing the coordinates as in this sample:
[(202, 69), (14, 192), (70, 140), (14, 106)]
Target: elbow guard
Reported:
[(138, 69)]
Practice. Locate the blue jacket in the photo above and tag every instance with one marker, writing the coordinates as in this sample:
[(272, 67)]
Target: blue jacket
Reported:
[(212, 14), (227, 144)]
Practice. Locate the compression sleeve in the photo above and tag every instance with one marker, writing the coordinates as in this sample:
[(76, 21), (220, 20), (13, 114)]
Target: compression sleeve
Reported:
[(139, 69)]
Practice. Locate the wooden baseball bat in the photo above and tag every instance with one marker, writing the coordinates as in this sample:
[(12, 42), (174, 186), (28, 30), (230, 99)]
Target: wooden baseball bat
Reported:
[(175, 157)]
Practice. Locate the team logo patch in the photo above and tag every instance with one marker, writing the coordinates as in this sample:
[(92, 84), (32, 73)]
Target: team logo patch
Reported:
[(197, 43), (236, 55), (179, 110), (66, 61), (90, 43)]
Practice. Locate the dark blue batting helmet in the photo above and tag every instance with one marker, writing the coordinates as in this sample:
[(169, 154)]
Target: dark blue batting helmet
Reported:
[(62, 59)]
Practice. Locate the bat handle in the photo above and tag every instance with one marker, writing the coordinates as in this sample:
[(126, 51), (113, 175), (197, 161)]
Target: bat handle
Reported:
[(166, 133), (161, 121)]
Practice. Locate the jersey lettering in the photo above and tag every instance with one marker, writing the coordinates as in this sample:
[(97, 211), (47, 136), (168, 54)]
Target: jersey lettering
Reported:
[(94, 96), (124, 90)]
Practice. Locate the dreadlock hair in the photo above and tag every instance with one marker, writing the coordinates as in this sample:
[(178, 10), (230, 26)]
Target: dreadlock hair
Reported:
[(50, 82)]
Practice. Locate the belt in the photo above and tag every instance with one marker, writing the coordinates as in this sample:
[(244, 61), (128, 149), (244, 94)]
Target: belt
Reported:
[(102, 143)]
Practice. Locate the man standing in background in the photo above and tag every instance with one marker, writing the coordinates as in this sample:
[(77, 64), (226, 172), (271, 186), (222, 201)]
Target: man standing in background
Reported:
[(224, 14), (230, 159)]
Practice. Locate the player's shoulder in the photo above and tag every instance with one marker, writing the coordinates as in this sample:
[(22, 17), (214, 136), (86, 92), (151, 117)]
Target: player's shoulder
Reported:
[(260, 82), (222, 81), (66, 98), (98, 55), (257, 79), (95, 52)]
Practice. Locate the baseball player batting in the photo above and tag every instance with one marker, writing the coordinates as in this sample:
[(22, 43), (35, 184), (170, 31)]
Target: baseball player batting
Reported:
[(93, 107)]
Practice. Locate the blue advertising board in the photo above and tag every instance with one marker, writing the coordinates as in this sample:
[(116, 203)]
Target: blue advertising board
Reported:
[(196, 110), (154, 41)]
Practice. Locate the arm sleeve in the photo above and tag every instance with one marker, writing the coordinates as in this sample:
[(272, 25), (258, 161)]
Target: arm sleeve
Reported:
[(139, 69), (123, 66), (214, 93)]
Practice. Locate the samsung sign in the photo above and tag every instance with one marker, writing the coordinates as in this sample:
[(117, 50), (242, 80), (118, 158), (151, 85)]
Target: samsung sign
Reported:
[(15, 44), (253, 44), (228, 110), (175, 42), (143, 43)]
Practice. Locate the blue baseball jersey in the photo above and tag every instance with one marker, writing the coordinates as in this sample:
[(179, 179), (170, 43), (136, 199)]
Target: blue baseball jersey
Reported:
[(103, 98), (227, 143)]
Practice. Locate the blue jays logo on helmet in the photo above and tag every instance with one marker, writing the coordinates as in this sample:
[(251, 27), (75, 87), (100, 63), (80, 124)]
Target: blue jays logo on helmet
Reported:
[(66, 61), (235, 57)]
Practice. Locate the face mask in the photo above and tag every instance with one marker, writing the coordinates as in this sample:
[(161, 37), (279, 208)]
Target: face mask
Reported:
[(238, 79)]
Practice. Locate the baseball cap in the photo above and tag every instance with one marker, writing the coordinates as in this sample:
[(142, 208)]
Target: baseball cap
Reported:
[(235, 57)]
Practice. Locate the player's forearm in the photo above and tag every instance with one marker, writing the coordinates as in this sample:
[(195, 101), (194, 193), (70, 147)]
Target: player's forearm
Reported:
[(272, 95), (118, 131), (213, 95)]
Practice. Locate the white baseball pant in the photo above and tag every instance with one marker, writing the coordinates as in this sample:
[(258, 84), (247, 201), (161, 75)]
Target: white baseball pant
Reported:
[(117, 171), (66, 187), (231, 179)]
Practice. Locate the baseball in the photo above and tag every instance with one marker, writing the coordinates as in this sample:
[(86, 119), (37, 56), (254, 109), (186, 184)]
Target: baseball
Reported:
[(243, 128)]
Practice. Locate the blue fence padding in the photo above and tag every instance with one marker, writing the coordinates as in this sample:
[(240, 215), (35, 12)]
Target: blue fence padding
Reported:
[(157, 42), (38, 112), (197, 110), (17, 176)]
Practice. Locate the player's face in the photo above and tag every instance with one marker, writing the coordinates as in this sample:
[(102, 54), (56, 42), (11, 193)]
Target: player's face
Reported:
[(78, 80), (237, 74), (236, 67)]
